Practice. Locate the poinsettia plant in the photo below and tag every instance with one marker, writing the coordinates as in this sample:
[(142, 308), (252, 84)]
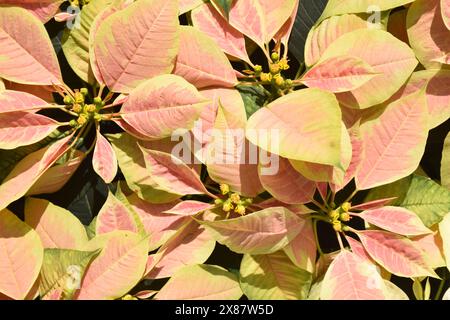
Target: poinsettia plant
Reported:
[(258, 149)]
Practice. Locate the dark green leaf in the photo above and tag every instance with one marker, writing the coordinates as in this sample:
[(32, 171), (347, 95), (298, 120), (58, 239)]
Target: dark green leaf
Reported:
[(429, 200), (308, 13)]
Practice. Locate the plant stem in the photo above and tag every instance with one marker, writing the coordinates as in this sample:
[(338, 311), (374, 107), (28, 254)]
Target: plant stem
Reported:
[(317, 204), (441, 287), (338, 235), (350, 197), (316, 237)]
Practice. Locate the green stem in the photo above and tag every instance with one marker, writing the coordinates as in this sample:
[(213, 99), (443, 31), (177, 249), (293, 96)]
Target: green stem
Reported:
[(441, 287), (316, 237), (350, 197), (317, 204)]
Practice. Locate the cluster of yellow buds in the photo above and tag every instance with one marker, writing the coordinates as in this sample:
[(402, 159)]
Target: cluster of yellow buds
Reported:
[(234, 202), (77, 3), (340, 215), (85, 111), (274, 76)]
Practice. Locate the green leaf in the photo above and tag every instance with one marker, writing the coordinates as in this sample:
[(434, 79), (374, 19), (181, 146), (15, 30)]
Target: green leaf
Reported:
[(75, 41), (253, 97), (201, 282), (9, 158), (131, 162), (63, 269), (273, 277), (90, 229), (429, 200), (307, 14), (445, 163), (223, 5)]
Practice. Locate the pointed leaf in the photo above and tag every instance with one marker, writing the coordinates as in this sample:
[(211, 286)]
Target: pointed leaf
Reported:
[(75, 40), (23, 128), (337, 7), (44, 10), (273, 277), (323, 35), (19, 101), (201, 61), (429, 200), (191, 245), (397, 220), (209, 21), (104, 159), (21, 256), (260, 20), (171, 174), (63, 270), (132, 164), (57, 227), (302, 250), (261, 232), (29, 170), (445, 10), (390, 57), (189, 208), (351, 278), (339, 74), (287, 185), (428, 34), (161, 105), (394, 144), (230, 157), (396, 254), (327, 173), (150, 46), (57, 176), (375, 204), (117, 269), (160, 226), (26, 51), (293, 127), (432, 245), (445, 163), (207, 282), (114, 216), (444, 229)]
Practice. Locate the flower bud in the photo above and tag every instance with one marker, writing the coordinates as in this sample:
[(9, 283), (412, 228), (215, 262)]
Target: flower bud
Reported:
[(77, 108), (275, 56), (224, 188), (284, 65), (240, 209), (73, 123), (346, 206), (98, 101), (279, 80), (257, 68), (265, 77), (344, 217), (274, 68), (79, 97), (235, 198), (68, 100), (337, 226), (91, 108), (227, 206), (84, 91), (288, 83), (82, 119), (129, 297), (333, 214), (218, 201)]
